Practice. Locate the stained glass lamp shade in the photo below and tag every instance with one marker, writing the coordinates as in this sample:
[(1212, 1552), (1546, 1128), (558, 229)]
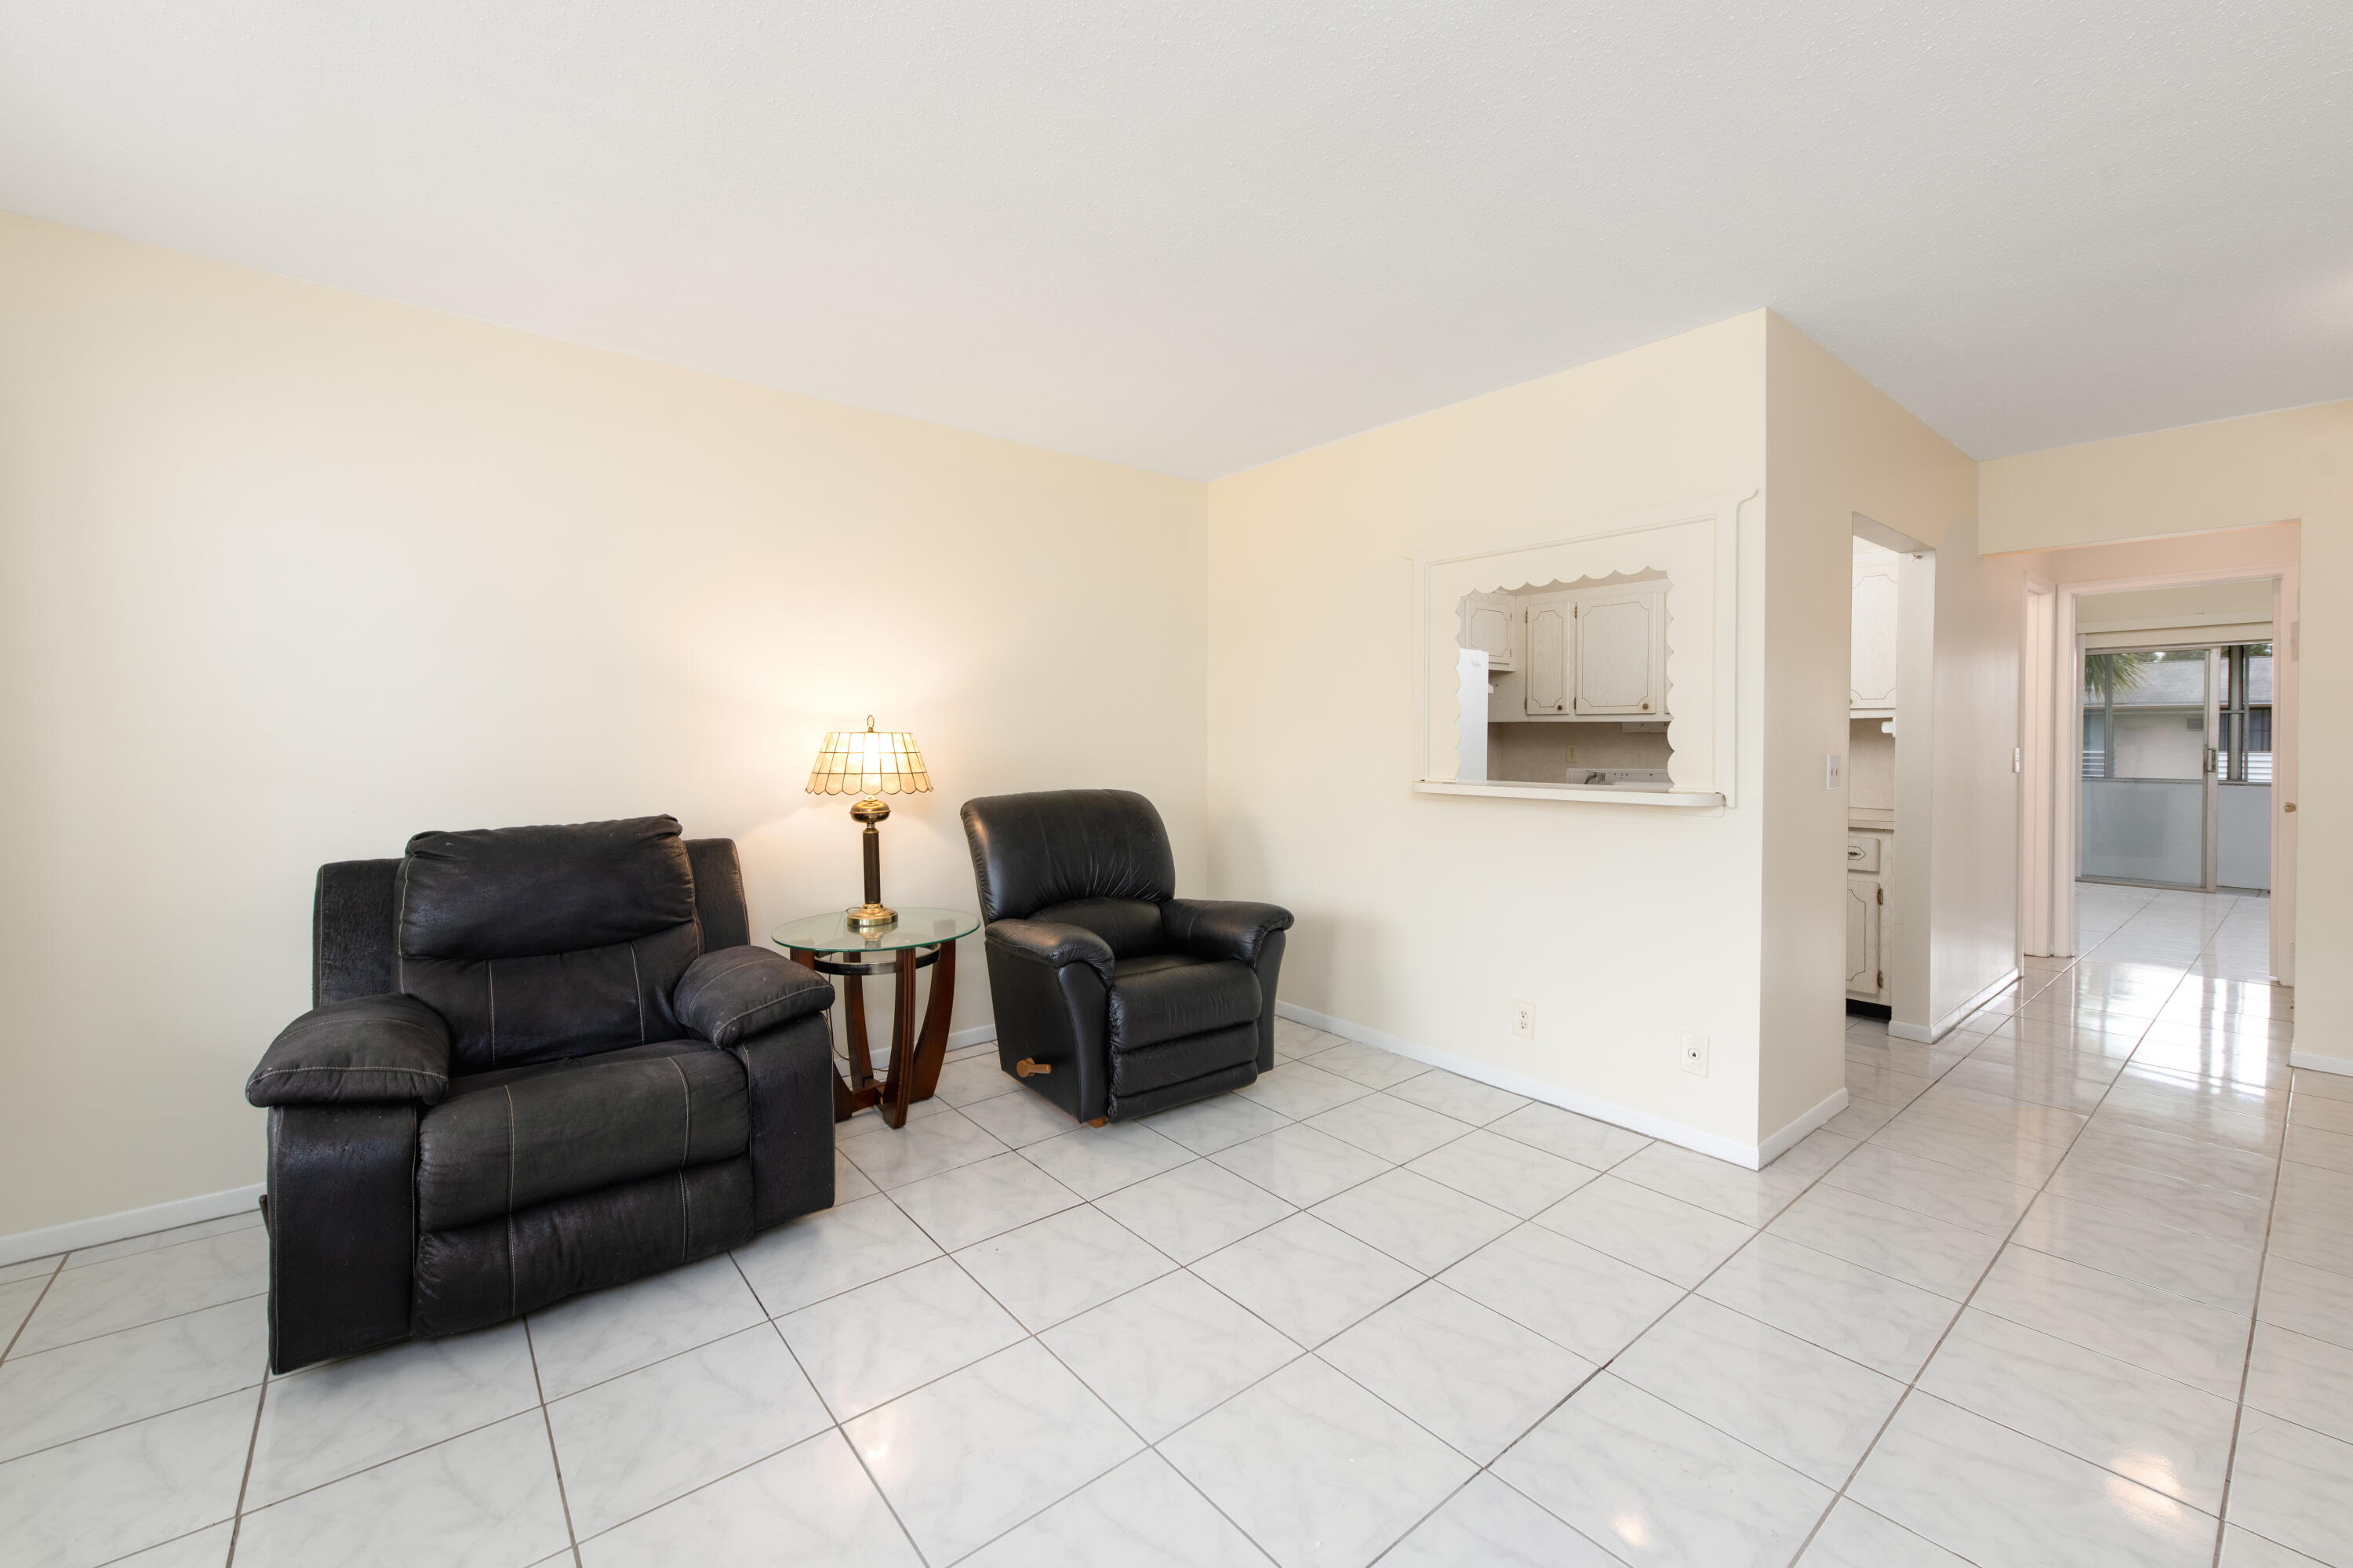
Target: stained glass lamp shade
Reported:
[(871, 764)]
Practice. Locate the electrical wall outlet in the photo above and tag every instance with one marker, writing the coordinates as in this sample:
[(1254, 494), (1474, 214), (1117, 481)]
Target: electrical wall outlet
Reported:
[(1572, 753), (1523, 1020), (1695, 1054)]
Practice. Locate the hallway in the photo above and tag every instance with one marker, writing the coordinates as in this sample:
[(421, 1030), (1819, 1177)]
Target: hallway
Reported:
[(2175, 1304)]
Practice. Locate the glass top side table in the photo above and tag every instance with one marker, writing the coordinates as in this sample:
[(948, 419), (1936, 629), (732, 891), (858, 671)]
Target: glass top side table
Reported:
[(923, 938)]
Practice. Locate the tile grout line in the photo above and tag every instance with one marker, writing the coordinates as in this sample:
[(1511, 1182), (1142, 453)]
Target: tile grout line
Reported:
[(1305, 1351), (1838, 1493), (1484, 1469), (126, 1425), (548, 1424), (1038, 1337), (836, 1426), (33, 1311), (831, 1424), (1689, 1292), (245, 1477), (14, 1355), (245, 1223), (2255, 1327), (1912, 1384)]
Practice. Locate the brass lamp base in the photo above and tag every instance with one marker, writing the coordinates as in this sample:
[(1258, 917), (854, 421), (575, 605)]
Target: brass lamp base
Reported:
[(873, 915)]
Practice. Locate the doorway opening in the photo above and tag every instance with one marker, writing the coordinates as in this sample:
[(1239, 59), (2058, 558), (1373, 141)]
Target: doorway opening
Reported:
[(1891, 652), (2175, 789), (2160, 757)]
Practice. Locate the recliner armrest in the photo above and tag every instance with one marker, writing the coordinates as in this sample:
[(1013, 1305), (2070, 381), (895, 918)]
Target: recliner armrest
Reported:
[(363, 1049), (1221, 928), (734, 991), (1051, 943)]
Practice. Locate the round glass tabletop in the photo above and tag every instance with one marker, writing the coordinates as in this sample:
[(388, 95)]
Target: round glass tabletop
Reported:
[(830, 932)]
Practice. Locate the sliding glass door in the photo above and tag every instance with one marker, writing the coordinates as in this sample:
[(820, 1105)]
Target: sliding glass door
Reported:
[(2242, 777), (2149, 743)]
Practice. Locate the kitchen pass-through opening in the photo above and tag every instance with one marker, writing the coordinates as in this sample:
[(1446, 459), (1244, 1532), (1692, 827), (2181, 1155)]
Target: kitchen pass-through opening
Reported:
[(1565, 683)]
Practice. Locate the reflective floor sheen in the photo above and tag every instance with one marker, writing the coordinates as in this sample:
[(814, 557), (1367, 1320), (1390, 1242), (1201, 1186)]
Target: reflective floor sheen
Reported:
[(2072, 1286)]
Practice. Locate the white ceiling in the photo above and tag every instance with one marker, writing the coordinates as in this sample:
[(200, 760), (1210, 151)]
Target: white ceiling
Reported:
[(1195, 237)]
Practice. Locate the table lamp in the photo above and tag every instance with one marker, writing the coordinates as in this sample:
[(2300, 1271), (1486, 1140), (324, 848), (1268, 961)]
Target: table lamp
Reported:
[(872, 764)]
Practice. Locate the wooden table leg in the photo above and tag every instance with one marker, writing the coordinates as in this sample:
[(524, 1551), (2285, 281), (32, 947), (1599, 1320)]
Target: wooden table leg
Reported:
[(897, 1088), (848, 1101), (932, 1050), (861, 1061)]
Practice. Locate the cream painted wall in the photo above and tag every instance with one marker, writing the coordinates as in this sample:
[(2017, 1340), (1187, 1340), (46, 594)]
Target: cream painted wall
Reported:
[(1837, 446), (1423, 917), (1973, 782), (288, 574), (2296, 465)]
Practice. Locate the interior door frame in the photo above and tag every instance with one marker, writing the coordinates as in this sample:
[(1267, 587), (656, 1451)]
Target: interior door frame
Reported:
[(2062, 678), (2036, 776)]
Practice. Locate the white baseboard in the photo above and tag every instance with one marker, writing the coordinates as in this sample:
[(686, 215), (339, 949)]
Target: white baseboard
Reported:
[(1794, 1133), (1747, 1155), (879, 1051), (2314, 1062), (1929, 1034), (100, 1229), (1952, 1020)]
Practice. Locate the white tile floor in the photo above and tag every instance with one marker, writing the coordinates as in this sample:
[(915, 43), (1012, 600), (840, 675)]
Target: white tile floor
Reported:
[(2072, 1286)]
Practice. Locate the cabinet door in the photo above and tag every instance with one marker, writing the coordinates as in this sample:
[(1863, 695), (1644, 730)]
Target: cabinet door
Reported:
[(1546, 636), (1488, 622), (1873, 679), (1618, 652), (1862, 936)]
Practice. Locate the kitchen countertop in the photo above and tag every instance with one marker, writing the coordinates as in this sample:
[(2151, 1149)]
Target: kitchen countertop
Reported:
[(1869, 817)]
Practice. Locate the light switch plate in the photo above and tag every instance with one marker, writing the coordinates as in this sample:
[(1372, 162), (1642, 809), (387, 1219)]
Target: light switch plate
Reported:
[(1834, 770)]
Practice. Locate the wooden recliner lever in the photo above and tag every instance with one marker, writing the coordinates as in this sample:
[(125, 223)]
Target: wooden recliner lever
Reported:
[(1028, 1068)]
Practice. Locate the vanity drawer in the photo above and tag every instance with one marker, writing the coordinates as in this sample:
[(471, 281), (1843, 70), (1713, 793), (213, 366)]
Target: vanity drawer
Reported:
[(1862, 853)]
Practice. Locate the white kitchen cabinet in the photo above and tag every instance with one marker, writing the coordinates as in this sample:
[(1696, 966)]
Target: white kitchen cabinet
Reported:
[(1490, 623), (1591, 652), (1620, 663), (1863, 910), (1872, 680), (1870, 857), (1548, 638)]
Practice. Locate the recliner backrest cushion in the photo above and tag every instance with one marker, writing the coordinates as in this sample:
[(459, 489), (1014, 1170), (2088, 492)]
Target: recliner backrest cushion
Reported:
[(1058, 846), (1130, 925), (542, 942)]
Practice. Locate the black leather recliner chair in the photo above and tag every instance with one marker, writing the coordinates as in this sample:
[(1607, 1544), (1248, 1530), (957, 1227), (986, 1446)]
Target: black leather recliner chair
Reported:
[(539, 1060), (1114, 998)]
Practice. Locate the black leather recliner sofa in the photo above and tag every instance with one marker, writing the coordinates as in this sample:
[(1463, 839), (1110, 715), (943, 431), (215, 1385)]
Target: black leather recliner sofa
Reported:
[(1114, 998), (539, 1060)]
